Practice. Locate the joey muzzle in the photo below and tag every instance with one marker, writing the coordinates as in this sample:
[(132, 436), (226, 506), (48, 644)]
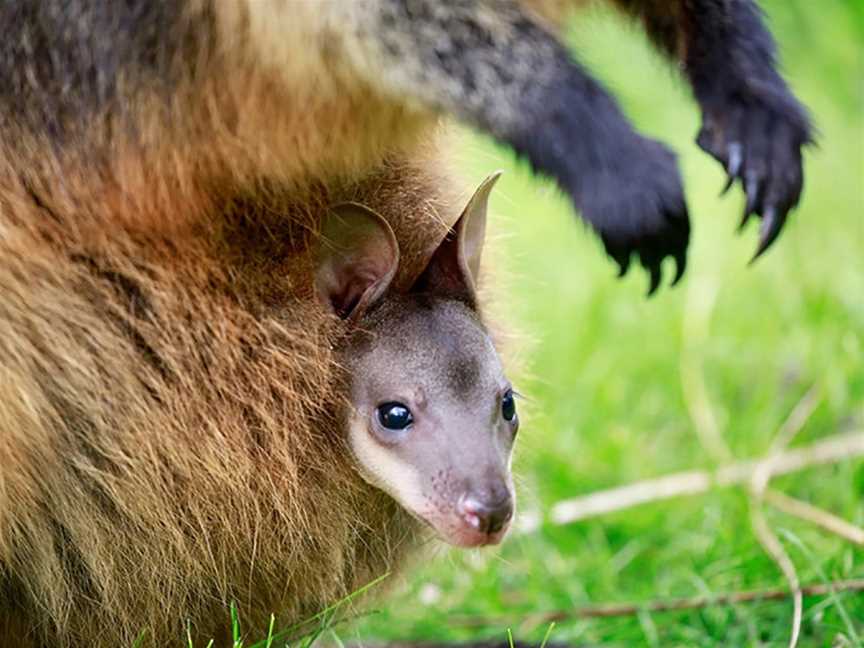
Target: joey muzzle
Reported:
[(484, 509), (485, 515)]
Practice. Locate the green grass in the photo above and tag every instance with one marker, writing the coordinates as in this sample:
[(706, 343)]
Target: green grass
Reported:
[(604, 379), (304, 634)]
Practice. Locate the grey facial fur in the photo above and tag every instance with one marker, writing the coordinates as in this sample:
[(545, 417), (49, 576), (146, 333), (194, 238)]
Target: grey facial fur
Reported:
[(434, 356)]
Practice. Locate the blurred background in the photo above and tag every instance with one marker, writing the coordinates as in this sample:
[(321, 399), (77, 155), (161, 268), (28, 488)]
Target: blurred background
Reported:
[(619, 388)]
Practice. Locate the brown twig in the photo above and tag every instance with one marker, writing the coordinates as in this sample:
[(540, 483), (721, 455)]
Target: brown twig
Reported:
[(667, 605)]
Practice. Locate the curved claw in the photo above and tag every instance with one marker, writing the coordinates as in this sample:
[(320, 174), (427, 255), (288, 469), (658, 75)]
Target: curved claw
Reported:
[(656, 275), (752, 190), (757, 136), (772, 223), (680, 267), (736, 158), (623, 265)]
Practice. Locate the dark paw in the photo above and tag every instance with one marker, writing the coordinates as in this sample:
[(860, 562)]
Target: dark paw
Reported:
[(638, 208), (760, 147)]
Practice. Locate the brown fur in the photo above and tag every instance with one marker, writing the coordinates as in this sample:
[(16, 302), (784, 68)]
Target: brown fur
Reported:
[(166, 407), (168, 389)]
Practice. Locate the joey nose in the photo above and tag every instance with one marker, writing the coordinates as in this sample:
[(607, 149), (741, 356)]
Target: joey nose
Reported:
[(486, 516)]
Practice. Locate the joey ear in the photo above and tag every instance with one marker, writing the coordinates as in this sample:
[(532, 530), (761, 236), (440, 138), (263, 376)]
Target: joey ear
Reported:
[(356, 260), (454, 266)]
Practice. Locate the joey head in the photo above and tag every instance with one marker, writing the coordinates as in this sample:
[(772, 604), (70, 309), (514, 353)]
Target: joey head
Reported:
[(432, 418)]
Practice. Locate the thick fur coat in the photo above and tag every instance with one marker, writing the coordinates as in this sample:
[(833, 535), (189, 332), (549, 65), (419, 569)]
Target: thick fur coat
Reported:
[(168, 387)]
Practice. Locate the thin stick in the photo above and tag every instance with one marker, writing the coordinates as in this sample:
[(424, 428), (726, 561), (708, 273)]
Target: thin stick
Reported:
[(668, 605), (759, 483), (791, 426), (820, 517), (829, 450), (771, 544)]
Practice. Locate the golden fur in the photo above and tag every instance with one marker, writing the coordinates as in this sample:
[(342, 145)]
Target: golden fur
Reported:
[(167, 412), (168, 389)]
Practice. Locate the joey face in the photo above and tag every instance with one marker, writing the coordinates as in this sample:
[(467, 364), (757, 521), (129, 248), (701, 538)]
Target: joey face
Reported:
[(434, 421)]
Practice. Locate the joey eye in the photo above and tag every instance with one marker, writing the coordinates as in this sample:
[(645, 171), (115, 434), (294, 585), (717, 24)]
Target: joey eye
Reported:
[(508, 406), (394, 416)]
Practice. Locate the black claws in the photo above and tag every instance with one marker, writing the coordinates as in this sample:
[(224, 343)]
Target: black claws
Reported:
[(653, 265), (640, 211), (633, 197), (656, 275), (772, 223), (759, 148), (652, 251), (680, 267), (655, 272), (762, 151), (623, 261), (733, 168)]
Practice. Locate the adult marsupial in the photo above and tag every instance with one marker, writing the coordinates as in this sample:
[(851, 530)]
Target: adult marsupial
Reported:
[(167, 378)]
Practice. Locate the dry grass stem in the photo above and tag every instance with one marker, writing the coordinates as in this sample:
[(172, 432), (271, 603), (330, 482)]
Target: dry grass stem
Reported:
[(819, 517), (758, 485), (839, 447), (772, 546)]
